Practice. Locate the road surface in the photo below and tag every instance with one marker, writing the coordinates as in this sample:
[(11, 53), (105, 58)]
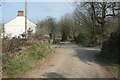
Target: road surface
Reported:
[(70, 61)]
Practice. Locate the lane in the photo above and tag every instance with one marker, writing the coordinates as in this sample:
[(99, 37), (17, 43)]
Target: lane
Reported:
[(71, 61)]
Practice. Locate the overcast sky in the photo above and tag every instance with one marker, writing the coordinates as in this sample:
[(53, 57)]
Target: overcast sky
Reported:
[(36, 10)]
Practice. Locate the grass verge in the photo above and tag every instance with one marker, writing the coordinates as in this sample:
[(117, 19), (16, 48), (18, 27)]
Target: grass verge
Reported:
[(14, 66), (112, 64)]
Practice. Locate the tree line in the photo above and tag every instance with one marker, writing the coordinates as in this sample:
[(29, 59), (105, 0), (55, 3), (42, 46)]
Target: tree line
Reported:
[(90, 24)]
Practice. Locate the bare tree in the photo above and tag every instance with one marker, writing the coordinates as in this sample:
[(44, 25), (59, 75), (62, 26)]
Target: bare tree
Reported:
[(99, 12), (47, 27), (66, 24), (51, 26)]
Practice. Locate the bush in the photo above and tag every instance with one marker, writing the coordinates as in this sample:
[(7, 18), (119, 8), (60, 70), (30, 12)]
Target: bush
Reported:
[(110, 52), (24, 60), (12, 45), (57, 41), (82, 39), (110, 49)]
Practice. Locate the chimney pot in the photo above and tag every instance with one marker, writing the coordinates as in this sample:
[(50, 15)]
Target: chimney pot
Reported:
[(20, 13)]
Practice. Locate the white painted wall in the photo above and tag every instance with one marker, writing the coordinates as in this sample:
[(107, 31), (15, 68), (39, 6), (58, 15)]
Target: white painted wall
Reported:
[(17, 26)]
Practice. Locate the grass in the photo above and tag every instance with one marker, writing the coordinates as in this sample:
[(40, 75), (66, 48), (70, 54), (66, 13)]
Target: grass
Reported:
[(24, 61), (111, 63), (17, 67), (115, 67)]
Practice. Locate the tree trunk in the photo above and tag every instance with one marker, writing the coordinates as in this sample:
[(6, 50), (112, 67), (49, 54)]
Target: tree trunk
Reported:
[(64, 36)]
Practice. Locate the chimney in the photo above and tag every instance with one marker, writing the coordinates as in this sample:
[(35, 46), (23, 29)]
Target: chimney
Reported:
[(20, 13)]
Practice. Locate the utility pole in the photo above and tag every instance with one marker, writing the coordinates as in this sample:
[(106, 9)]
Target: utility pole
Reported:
[(25, 19)]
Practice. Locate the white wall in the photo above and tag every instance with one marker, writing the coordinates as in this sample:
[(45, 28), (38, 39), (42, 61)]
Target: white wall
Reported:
[(17, 26)]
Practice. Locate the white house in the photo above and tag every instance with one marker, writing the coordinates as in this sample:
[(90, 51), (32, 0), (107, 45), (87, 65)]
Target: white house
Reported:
[(16, 26)]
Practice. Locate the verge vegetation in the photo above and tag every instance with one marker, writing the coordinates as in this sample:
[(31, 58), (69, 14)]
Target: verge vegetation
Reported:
[(26, 59)]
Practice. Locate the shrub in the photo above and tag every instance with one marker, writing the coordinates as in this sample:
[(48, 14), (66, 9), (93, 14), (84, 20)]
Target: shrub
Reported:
[(82, 39), (12, 45), (110, 48), (19, 63), (57, 41)]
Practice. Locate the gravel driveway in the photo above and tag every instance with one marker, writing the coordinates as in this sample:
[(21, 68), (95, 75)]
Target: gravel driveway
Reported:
[(70, 61)]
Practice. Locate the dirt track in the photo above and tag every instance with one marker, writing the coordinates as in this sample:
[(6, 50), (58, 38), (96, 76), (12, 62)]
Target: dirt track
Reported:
[(70, 61)]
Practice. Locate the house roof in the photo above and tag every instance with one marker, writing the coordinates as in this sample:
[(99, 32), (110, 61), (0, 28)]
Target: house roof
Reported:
[(19, 20)]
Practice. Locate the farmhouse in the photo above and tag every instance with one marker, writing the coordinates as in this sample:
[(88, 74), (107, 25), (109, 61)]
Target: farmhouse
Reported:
[(16, 26)]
